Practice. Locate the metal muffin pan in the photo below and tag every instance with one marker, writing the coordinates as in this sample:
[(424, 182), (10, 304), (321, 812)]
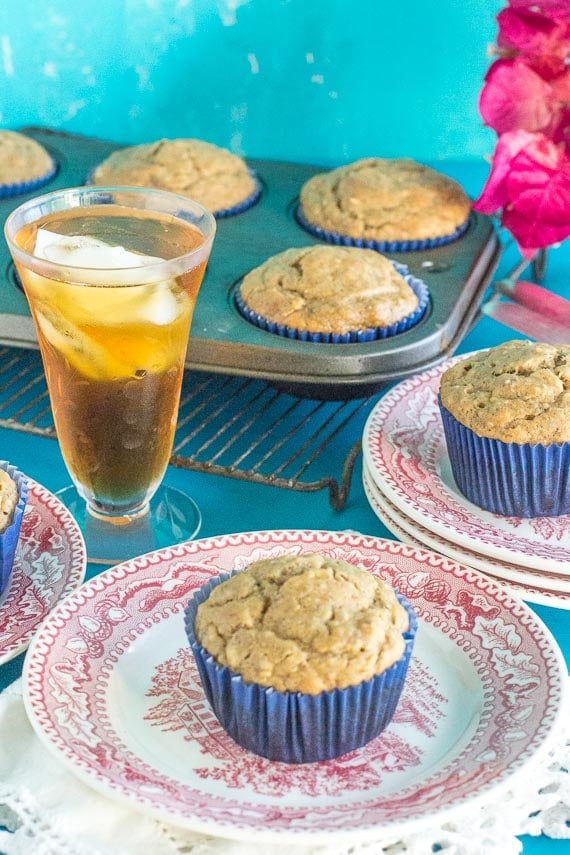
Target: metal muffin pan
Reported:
[(223, 341)]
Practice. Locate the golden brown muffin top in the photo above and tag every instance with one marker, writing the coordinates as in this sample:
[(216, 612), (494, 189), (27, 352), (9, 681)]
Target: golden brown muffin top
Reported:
[(516, 392), (210, 175), (303, 623), (385, 200), (22, 158), (329, 289), (8, 499)]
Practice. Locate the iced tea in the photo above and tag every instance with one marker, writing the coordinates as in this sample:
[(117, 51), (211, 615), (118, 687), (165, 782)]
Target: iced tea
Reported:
[(113, 333)]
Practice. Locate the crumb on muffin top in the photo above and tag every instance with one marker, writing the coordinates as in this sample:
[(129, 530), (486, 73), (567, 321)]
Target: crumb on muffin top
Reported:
[(306, 623), (211, 175), (326, 289), (22, 158), (516, 392), (385, 200), (8, 499)]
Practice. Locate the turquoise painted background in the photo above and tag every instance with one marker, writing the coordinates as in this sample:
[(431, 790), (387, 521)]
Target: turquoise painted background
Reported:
[(320, 81)]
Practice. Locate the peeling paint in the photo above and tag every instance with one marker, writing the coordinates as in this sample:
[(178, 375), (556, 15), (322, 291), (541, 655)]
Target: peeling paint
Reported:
[(87, 73), (74, 108), (238, 112), (310, 58), (143, 78), (236, 143), (253, 63), (227, 10), (50, 70), (317, 78), (7, 60)]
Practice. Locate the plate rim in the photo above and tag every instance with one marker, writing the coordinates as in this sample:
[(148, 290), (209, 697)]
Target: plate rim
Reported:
[(528, 593), (73, 581), (557, 698), (463, 554)]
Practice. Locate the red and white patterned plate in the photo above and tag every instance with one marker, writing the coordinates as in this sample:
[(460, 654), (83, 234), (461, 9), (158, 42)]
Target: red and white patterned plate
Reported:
[(111, 688), (50, 563), (525, 584), (405, 451)]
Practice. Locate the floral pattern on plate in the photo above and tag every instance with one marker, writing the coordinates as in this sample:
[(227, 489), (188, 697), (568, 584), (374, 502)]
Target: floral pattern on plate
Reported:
[(408, 531), (405, 451), (110, 688), (50, 562)]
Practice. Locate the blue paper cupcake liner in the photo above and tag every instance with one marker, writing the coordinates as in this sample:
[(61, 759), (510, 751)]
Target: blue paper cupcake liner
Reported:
[(247, 203), (418, 286), (379, 245), (223, 213), (293, 727), (20, 187), (508, 478), (10, 535)]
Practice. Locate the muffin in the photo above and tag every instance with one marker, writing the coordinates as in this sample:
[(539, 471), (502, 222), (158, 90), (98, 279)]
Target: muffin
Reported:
[(25, 165), (332, 294), (13, 497), (212, 176), (302, 657), (383, 204), (506, 416)]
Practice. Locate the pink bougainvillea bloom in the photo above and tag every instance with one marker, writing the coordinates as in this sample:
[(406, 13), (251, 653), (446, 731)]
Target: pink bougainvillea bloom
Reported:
[(558, 10), (561, 95), (544, 42), (495, 193), (515, 97), (529, 184)]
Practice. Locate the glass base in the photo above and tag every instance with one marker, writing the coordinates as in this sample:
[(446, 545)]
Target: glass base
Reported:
[(173, 518)]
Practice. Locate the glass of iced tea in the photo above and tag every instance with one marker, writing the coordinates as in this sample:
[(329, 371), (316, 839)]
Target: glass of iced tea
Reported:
[(111, 275)]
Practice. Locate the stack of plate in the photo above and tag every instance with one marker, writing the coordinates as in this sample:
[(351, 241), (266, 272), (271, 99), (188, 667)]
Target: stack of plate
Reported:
[(410, 487)]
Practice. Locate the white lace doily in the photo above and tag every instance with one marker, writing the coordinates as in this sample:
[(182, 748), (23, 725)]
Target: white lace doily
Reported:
[(48, 811)]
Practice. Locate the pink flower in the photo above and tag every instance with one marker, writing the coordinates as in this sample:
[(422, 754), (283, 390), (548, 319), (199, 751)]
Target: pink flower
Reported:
[(542, 40), (515, 96), (526, 100), (530, 184), (558, 10)]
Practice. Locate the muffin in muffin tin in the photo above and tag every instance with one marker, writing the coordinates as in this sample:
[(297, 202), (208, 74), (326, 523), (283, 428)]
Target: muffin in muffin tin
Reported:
[(332, 295), (25, 164), (389, 205), (212, 176)]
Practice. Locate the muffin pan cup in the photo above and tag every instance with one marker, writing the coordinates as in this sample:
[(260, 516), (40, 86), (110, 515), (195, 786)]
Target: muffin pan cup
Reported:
[(9, 537), (507, 478), (293, 727), (223, 341)]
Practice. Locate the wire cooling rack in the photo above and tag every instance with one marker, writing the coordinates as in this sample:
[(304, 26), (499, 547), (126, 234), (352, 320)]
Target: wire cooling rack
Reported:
[(232, 426)]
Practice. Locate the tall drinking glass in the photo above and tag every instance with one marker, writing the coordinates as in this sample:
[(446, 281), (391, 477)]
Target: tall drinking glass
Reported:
[(111, 275)]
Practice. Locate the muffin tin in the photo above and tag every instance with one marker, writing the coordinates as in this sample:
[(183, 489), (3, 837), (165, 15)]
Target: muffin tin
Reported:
[(223, 341)]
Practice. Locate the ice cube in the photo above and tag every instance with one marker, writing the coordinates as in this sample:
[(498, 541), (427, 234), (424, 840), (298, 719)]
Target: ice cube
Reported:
[(160, 307), (92, 254), (154, 301)]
